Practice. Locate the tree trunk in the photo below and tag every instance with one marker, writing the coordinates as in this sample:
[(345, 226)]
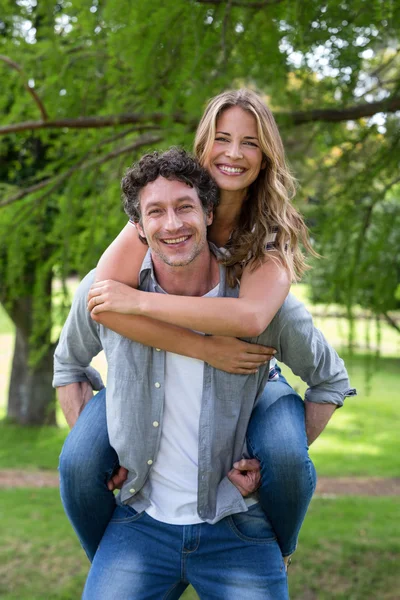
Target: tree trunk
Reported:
[(31, 398)]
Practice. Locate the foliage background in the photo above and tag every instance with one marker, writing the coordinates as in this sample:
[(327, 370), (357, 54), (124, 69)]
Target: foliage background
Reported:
[(87, 86)]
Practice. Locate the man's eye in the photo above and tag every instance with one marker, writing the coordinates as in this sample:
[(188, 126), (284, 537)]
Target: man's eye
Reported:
[(186, 206), (154, 211)]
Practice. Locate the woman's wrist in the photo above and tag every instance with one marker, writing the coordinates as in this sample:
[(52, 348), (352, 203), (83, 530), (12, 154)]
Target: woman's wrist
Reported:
[(202, 346), (141, 304)]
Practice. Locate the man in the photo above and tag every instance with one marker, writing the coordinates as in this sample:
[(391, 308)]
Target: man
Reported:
[(180, 520)]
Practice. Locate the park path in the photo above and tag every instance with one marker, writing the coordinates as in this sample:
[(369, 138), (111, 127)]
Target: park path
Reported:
[(327, 486)]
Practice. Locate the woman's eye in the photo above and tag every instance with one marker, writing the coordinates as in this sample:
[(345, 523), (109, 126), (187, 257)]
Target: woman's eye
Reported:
[(252, 144), (221, 139)]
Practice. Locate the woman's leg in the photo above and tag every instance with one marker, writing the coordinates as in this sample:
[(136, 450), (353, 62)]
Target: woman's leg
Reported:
[(87, 462), (277, 437)]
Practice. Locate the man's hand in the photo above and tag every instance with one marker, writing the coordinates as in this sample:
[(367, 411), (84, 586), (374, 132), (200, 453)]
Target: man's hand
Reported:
[(113, 296), (246, 475), (73, 399), (234, 356), (118, 478)]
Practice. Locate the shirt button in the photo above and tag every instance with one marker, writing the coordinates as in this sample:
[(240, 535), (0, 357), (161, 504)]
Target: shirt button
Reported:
[(155, 423), (158, 350), (132, 491), (157, 385), (149, 462)]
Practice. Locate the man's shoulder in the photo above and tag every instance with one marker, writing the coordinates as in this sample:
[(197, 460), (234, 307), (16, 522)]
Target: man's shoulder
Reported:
[(293, 315), (290, 308), (84, 285)]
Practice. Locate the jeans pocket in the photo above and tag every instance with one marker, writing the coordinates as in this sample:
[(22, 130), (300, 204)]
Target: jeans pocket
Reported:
[(124, 513), (252, 526)]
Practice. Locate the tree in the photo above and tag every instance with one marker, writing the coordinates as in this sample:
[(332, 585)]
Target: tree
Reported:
[(91, 85)]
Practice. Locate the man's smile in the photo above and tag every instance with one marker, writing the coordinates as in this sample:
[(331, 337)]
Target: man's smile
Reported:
[(175, 241)]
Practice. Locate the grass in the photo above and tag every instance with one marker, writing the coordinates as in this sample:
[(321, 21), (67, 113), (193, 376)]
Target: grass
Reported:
[(362, 437), (30, 447), (348, 550)]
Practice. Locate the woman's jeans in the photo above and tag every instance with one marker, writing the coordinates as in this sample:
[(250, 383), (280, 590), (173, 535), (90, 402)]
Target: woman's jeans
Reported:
[(276, 436)]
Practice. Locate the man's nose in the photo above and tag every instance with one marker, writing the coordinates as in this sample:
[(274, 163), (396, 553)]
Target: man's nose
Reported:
[(234, 151), (173, 222)]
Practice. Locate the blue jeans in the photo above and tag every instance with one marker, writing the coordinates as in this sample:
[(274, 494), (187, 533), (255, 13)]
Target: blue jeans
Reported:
[(140, 558), (276, 436)]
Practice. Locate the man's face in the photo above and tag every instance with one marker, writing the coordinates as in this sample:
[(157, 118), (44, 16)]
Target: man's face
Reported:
[(173, 221)]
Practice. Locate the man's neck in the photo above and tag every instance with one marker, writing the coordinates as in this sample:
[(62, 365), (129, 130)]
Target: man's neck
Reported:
[(195, 279)]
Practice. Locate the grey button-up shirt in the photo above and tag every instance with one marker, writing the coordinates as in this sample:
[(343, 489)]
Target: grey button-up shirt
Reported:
[(135, 393)]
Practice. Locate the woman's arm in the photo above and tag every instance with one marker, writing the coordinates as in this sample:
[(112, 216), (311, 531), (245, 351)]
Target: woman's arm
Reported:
[(262, 293), (224, 353), (123, 258), (122, 261)]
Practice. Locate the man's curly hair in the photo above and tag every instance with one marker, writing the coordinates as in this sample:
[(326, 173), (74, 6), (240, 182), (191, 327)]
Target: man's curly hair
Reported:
[(174, 164)]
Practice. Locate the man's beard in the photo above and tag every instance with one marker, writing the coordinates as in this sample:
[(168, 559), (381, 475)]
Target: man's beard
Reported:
[(184, 261)]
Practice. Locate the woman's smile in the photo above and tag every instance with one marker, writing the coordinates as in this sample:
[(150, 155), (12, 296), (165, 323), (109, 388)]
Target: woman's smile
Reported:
[(235, 159)]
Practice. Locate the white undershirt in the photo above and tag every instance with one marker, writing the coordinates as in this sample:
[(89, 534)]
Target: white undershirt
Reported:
[(173, 476)]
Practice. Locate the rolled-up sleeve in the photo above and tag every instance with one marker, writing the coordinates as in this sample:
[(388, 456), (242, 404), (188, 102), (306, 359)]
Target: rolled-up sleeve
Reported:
[(304, 349), (79, 343)]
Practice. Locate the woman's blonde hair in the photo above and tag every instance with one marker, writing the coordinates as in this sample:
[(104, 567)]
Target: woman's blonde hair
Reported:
[(267, 208)]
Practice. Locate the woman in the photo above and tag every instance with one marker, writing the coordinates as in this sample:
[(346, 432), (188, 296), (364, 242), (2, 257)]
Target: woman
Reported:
[(258, 231)]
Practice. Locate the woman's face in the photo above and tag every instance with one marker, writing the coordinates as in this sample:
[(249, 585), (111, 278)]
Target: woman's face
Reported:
[(235, 159)]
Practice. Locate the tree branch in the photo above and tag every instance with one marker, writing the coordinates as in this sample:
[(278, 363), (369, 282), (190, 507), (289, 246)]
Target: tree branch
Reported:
[(390, 321), (242, 3), (30, 90), (89, 122), (82, 164), (332, 115), (224, 31), (351, 113), (45, 182), (384, 65)]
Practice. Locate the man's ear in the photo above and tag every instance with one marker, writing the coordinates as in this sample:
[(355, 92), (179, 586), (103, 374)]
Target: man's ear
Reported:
[(140, 229), (209, 217)]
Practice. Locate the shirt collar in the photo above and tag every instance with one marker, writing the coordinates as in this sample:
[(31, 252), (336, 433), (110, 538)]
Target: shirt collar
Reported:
[(147, 268)]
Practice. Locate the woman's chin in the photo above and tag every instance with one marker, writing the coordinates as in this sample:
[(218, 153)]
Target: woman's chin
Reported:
[(231, 186)]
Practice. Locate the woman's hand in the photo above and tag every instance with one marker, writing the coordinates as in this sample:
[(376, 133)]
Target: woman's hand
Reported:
[(234, 356), (113, 296), (246, 476)]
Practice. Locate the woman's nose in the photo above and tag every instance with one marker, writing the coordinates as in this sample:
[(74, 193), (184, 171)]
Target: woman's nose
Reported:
[(234, 151)]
